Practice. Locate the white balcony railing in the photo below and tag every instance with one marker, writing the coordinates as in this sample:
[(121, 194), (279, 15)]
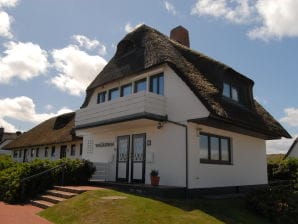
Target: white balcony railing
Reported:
[(123, 106)]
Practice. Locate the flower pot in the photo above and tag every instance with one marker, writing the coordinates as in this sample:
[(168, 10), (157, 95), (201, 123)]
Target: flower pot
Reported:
[(155, 180)]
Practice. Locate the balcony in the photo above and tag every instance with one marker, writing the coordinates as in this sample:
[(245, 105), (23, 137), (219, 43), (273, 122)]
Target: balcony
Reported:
[(137, 105)]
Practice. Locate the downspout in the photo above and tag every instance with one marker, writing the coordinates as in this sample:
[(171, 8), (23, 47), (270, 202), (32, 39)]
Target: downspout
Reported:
[(186, 148)]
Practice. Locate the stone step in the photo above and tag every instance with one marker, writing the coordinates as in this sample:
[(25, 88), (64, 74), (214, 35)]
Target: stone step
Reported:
[(61, 194), (51, 198), (69, 189), (41, 203)]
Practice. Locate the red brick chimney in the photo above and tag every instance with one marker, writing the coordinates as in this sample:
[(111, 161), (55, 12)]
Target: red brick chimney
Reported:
[(180, 34)]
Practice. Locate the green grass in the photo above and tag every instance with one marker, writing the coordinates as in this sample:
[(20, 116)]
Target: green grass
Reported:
[(90, 207)]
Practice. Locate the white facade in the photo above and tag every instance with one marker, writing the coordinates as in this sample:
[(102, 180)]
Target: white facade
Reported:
[(294, 150), (52, 154), (166, 148)]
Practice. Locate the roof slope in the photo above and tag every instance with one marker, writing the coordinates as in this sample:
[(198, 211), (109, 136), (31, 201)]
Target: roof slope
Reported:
[(145, 48), (291, 147), (54, 130)]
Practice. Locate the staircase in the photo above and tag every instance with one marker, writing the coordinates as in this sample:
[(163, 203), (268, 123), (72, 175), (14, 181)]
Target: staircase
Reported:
[(56, 195), (101, 172)]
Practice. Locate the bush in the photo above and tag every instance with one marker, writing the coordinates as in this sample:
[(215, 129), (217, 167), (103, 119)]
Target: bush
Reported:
[(75, 172), (6, 161), (280, 205)]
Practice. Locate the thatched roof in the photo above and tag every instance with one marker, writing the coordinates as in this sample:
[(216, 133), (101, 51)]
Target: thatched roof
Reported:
[(145, 48), (52, 131)]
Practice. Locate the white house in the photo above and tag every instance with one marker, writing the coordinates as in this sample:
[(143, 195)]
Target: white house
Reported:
[(52, 139), (160, 105), (5, 138), (293, 150)]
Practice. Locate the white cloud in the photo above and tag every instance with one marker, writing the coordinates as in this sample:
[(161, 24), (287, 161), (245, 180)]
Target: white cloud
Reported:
[(291, 117), (23, 61), (23, 109), (279, 146), (271, 19), (5, 22), (279, 19), (8, 3), (235, 11), (89, 44), (170, 7), (49, 107), (129, 28), (76, 69)]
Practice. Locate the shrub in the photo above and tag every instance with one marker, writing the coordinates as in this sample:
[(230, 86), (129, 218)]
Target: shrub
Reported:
[(279, 204), (6, 161), (75, 172)]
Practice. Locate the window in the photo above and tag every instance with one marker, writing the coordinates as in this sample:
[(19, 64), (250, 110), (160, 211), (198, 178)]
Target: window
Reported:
[(81, 149), (113, 94), (15, 154), (140, 85), (37, 152), (73, 150), (32, 152), (20, 153), (101, 97), (157, 84), (53, 151), (230, 92), (126, 90), (215, 149), (46, 152)]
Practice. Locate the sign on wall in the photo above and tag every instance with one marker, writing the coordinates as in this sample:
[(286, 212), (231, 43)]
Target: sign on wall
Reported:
[(104, 144)]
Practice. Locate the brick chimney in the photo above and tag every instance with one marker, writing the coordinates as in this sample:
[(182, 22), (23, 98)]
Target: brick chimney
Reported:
[(180, 34)]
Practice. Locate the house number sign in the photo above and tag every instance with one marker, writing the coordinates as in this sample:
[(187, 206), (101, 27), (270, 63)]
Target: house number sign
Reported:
[(104, 144)]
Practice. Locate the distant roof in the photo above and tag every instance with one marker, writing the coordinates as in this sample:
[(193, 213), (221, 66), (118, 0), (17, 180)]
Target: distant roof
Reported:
[(52, 131), (291, 148), (146, 48)]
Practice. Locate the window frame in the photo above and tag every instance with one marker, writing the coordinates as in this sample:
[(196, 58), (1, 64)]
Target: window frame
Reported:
[(20, 153), (81, 149), (139, 81), (53, 151), (104, 93), (219, 161), (15, 154), (123, 86), (231, 87), (111, 90), (158, 76)]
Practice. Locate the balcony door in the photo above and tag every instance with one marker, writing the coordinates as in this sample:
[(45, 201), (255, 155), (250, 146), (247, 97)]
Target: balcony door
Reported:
[(130, 166)]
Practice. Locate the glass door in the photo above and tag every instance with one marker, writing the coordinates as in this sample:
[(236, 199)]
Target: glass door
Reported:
[(122, 160), (138, 158)]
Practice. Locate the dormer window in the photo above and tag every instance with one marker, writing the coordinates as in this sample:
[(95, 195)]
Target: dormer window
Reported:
[(101, 97), (230, 91), (113, 94)]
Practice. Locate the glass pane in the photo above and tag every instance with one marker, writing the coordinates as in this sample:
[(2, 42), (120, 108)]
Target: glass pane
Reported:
[(101, 97), (214, 148), (154, 84), (234, 94), (225, 149), (140, 85), (138, 147), (123, 149), (161, 85), (126, 90), (226, 90), (204, 147), (113, 94)]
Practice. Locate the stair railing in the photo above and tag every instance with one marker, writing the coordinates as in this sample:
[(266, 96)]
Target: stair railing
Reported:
[(26, 179)]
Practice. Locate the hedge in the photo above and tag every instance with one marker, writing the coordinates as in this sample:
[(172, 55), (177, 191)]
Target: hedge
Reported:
[(6, 161), (75, 172)]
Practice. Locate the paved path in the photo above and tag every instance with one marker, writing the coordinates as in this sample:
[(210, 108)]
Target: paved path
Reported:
[(20, 214)]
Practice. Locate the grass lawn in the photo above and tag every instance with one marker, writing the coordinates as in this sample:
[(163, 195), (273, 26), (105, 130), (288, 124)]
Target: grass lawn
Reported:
[(103, 206)]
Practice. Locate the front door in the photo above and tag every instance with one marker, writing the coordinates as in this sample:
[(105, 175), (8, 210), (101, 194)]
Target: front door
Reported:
[(63, 151), (131, 158), (122, 165)]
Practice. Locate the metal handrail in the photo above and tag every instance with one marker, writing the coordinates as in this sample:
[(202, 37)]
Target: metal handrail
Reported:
[(24, 180)]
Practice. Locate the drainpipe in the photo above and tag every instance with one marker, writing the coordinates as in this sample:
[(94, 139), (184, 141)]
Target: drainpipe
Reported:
[(186, 148)]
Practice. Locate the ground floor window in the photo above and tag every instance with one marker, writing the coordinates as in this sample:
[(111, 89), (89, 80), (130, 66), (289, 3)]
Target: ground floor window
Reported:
[(73, 150), (215, 149), (81, 149), (20, 154), (53, 151), (15, 154), (46, 153)]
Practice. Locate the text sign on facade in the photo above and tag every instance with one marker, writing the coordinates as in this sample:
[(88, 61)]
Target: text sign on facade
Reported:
[(104, 144)]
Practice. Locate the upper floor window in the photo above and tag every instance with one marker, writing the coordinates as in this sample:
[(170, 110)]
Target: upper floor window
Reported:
[(157, 84), (126, 90), (215, 149), (101, 97), (140, 85), (113, 93), (230, 91)]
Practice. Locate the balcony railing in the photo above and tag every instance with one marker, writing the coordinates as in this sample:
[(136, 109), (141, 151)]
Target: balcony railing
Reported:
[(142, 102)]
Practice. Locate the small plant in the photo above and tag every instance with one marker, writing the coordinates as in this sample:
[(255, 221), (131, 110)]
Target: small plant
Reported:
[(154, 173)]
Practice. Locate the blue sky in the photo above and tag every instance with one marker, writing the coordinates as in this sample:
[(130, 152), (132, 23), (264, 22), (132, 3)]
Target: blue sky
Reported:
[(51, 50)]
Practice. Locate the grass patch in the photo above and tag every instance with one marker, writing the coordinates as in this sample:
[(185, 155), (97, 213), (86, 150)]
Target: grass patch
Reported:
[(113, 207)]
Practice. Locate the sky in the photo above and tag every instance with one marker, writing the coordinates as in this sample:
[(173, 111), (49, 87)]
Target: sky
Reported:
[(51, 50)]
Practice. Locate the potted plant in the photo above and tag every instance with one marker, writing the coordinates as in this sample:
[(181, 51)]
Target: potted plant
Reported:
[(154, 178)]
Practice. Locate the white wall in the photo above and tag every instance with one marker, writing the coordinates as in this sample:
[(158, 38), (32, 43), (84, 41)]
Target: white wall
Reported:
[(42, 152), (248, 161), (294, 151)]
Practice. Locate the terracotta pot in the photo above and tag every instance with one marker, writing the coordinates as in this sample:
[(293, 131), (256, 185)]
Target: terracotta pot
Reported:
[(155, 180)]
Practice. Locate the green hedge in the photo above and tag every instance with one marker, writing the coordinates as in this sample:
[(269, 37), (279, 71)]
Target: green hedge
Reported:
[(278, 204), (6, 161), (75, 172)]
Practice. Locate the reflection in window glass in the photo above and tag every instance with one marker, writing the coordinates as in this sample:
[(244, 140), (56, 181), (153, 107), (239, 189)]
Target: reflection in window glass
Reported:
[(157, 84), (101, 97), (126, 90), (140, 85), (113, 94), (224, 149), (214, 148), (204, 147), (234, 94), (226, 90)]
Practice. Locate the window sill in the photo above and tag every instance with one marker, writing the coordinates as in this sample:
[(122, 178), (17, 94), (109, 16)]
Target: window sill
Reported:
[(216, 162)]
